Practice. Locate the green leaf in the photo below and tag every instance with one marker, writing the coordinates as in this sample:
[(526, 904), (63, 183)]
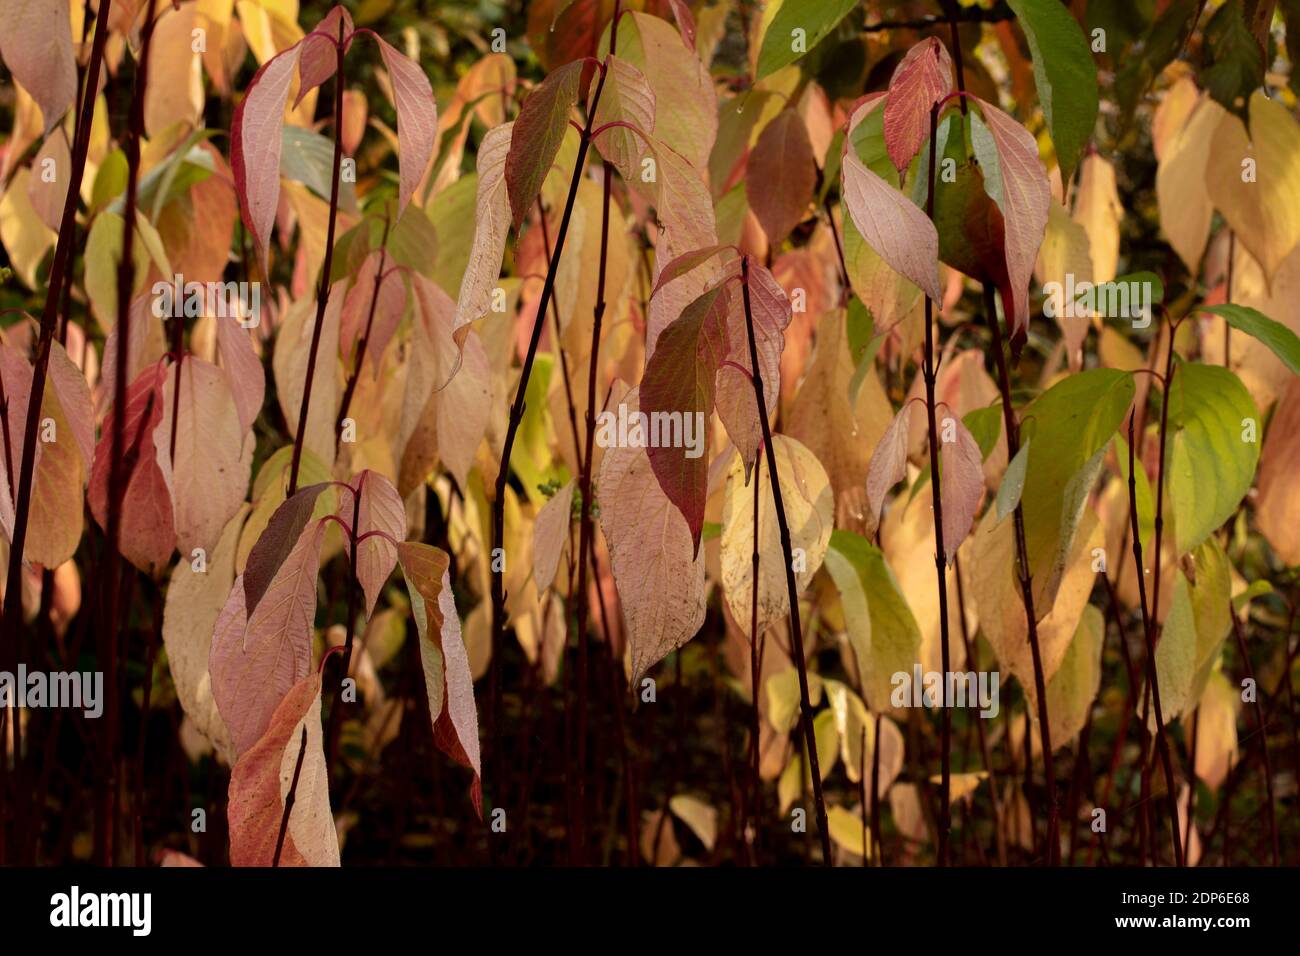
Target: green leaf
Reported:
[(1065, 74), (307, 157), (1238, 62), (1176, 653), (985, 426), (882, 630), (863, 345), (798, 27), (1146, 508), (1211, 417), (1253, 590), (1155, 287), (1284, 343), (1073, 687), (1072, 422), (1013, 482)]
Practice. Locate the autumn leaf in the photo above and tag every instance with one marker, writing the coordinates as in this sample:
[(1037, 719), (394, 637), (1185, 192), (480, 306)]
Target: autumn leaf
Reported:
[(538, 131), (255, 144), (448, 683), (260, 782), (417, 119), (922, 78), (260, 649), (897, 230), (961, 480), (781, 175), (659, 571), (37, 49), (1016, 181), (146, 526)]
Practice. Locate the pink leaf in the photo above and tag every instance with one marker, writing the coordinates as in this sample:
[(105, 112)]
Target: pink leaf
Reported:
[(381, 509), (247, 379), (735, 387), (892, 225), (255, 142), (888, 462), (449, 370), (417, 119), (923, 78), (961, 482), (209, 475), (36, 44), (538, 131), (146, 533), (448, 681), (277, 540), (658, 569), (625, 98), (491, 223), (388, 303), (1016, 180), (687, 262), (551, 535), (258, 655), (320, 58)]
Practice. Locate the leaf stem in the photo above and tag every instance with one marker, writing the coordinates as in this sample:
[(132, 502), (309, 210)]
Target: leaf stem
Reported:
[(1012, 429), (940, 552), (1148, 619), (365, 340), (289, 799), (787, 549), (322, 295), (497, 552)]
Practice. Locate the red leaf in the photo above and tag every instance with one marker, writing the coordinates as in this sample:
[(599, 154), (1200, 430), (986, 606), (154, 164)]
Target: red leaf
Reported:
[(146, 533), (923, 78), (781, 175), (679, 382), (319, 58), (538, 132)]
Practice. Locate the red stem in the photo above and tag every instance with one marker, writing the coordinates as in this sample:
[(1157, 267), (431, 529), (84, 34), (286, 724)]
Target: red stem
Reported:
[(322, 295)]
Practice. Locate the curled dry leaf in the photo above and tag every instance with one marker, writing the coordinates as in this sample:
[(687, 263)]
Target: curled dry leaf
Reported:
[(447, 678), (259, 786)]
